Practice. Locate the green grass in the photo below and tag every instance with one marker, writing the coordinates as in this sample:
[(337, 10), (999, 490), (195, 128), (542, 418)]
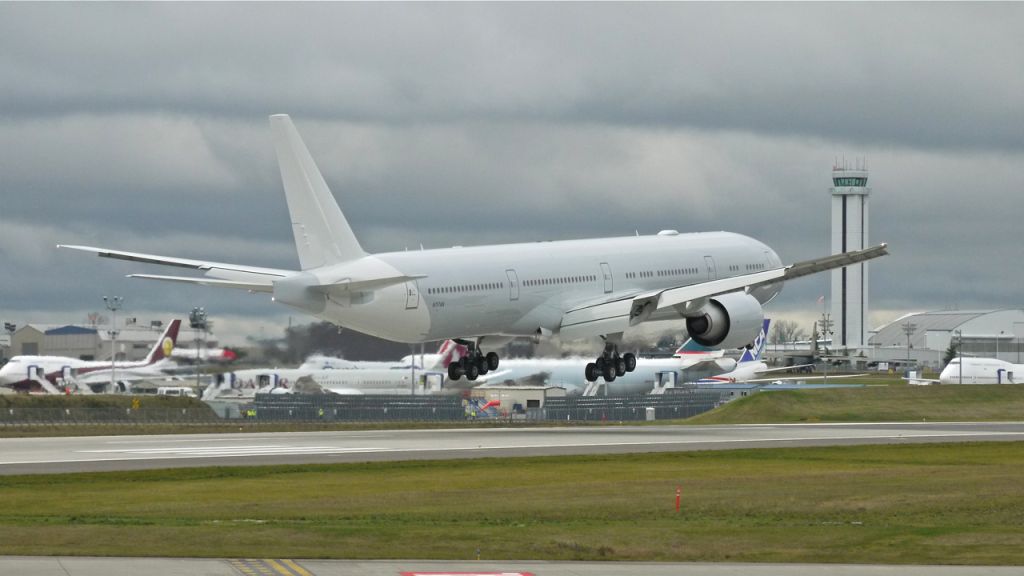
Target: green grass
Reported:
[(874, 404), (956, 504)]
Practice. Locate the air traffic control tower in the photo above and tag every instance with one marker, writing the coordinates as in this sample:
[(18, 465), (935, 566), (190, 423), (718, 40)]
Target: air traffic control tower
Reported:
[(848, 232)]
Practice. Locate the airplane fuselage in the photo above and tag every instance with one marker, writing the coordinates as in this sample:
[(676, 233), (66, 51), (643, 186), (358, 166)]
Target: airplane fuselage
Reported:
[(981, 371), (524, 289)]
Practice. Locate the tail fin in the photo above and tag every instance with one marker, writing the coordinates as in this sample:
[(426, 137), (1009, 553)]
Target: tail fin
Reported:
[(692, 347), (450, 351), (322, 235), (753, 354), (165, 345)]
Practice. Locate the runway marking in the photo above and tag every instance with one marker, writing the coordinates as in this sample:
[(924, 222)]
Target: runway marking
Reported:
[(228, 451), (268, 567)]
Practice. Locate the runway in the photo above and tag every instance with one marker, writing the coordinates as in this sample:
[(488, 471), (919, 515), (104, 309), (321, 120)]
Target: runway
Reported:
[(105, 453)]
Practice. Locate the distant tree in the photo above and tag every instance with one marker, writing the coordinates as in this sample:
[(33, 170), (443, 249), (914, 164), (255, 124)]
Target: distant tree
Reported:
[(951, 352), (785, 331)]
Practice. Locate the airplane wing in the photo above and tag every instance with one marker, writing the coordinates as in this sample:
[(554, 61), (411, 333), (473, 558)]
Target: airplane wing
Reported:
[(226, 275), (625, 310)]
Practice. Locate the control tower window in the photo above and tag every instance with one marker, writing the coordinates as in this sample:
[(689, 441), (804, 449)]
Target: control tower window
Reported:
[(850, 182)]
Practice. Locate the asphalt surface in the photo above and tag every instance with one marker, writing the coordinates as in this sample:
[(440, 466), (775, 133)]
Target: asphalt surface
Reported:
[(76, 566), (104, 453)]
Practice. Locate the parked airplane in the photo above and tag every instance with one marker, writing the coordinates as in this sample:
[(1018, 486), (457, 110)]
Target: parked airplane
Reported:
[(969, 370), (690, 362), (715, 282), (394, 379), (50, 373), (323, 362), (211, 355)]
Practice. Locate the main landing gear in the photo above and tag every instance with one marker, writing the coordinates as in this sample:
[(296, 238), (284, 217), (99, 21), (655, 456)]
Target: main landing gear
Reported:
[(609, 365), (472, 365)]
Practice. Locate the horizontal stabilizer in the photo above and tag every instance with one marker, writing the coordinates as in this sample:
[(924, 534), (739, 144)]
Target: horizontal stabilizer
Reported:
[(251, 286), (180, 262)]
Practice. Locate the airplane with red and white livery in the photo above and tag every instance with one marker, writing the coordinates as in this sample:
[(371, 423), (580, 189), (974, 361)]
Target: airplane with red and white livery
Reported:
[(52, 374)]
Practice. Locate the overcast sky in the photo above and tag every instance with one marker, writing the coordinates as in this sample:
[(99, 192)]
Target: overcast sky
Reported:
[(144, 127)]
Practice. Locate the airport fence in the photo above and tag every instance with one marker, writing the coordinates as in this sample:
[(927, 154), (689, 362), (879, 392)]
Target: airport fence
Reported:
[(383, 408), (55, 416), (631, 408), (354, 408)]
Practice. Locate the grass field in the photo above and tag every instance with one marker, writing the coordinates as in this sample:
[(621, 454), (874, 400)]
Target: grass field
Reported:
[(953, 504), (874, 404)]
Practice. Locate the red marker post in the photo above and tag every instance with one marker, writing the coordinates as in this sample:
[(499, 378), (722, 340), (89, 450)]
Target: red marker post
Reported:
[(679, 494)]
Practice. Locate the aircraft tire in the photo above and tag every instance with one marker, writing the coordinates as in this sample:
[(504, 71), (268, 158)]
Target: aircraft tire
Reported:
[(630, 360), (472, 372), (608, 372), (591, 373), (492, 361), (620, 367), (600, 362), (481, 366), (454, 371)]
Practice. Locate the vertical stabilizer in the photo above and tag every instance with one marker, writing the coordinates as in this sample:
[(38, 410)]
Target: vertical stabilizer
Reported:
[(322, 235), (165, 344), (754, 353)]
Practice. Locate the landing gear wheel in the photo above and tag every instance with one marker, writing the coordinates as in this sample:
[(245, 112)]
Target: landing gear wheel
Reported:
[(472, 372), (492, 361), (481, 365), (630, 359), (620, 367), (601, 362), (454, 371), (608, 372), (591, 373)]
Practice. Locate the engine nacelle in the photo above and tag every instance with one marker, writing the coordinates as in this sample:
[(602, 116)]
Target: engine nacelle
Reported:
[(727, 321)]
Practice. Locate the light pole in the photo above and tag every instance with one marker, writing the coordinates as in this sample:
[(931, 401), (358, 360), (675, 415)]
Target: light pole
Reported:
[(997, 343), (197, 320), (960, 352), (908, 329), (826, 335), (113, 304)]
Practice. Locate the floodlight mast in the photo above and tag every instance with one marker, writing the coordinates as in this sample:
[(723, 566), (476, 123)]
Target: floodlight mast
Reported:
[(113, 304)]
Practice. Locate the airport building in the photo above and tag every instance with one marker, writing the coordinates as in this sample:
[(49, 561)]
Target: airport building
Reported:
[(92, 342), (924, 337)]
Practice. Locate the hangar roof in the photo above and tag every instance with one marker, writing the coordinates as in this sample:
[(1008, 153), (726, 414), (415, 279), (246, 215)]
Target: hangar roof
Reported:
[(942, 320)]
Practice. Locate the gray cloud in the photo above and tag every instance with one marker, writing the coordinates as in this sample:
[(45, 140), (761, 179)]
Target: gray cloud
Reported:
[(143, 126)]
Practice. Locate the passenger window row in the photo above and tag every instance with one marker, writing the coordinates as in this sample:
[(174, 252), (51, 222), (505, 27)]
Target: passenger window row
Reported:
[(662, 273), (562, 280), (461, 288)]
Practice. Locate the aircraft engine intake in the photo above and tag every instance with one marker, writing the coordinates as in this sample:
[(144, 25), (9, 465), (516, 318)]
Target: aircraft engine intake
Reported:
[(727, 321)]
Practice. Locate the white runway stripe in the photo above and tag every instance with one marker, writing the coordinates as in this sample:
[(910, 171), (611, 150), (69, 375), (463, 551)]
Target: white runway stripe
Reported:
[(198, 452)]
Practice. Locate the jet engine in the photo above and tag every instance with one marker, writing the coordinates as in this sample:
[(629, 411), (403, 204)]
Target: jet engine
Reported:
[(728, 321)]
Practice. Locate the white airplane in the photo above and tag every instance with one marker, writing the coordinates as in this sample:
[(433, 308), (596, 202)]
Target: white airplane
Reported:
[(969, 370), (50, 373), (323, 362), (394, 379), (690, 362), (211, 355), (483, 296)]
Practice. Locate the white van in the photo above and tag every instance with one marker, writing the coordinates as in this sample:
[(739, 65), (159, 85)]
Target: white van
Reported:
[(175, 391)]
